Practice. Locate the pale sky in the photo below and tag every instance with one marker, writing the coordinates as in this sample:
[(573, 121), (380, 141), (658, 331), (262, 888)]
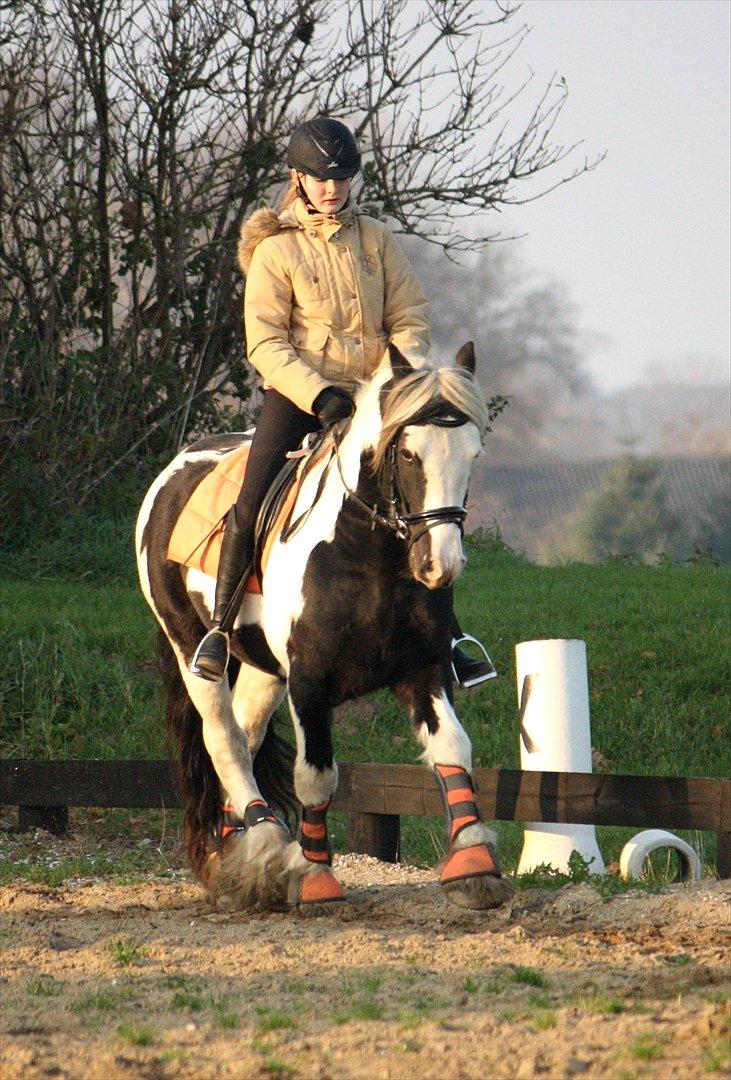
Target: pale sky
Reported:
[(642, 243)]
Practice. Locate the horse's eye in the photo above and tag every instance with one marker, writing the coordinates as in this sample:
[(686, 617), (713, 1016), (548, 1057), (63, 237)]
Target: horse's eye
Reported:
[(406, 455)]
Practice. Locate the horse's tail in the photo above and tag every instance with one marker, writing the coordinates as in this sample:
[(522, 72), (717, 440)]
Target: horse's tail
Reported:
[(197, 778)]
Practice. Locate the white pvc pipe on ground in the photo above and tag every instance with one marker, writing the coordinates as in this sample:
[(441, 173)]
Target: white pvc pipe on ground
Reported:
[(553, 691), (636, 851)]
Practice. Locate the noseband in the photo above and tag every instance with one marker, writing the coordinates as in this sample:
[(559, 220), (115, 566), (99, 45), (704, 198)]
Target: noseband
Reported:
[(406, 525)]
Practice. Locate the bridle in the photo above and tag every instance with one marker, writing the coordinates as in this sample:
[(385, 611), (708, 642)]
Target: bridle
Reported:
[(396, 518)]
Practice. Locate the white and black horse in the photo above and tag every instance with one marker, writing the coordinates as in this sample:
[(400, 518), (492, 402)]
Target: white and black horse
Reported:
[(356, 599)]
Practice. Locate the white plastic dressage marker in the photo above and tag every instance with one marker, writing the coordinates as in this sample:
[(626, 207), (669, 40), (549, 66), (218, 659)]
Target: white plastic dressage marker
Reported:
[(555, 736), (635, 852)]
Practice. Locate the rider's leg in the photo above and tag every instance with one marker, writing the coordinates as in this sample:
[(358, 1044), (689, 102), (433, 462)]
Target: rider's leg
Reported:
[(281, 427), (469, 671)]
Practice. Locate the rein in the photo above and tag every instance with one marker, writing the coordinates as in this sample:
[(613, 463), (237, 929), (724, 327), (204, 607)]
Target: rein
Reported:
[(396, 518)]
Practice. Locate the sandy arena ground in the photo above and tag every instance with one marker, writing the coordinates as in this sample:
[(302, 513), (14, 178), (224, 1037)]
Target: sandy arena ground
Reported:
[(107, 980)]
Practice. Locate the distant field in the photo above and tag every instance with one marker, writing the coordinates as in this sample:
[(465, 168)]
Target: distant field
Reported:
[(78, 677)]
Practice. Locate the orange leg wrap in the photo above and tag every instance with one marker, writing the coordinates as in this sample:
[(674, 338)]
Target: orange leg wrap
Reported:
[(469, 862), (320, 888)]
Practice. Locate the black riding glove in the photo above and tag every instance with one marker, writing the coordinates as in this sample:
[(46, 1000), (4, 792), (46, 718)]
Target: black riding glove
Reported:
[(333, 404)]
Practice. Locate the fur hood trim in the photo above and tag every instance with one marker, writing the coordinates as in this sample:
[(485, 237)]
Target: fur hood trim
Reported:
[(265, 222), (262, 223)]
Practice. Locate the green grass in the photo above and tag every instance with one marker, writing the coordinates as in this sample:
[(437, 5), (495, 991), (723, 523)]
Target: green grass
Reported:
[(517, 975), (604, 1004), (528, 976), (136, 1034), (102, 1000), (645, 1048), (44, 986), (77, 672), (544, 1020), (49, 870), (186, 1000), (273, 1019), (126, 952), (78, 678), (360, 1010), (226, 1021), (717, 1056), (277, 1067)]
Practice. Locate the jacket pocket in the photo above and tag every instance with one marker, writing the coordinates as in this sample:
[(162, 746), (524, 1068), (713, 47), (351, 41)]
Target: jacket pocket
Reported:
[(374, 348), (310, 286), (310, 343)]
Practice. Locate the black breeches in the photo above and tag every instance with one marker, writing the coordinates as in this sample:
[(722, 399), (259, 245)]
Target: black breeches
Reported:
[(281, 427)]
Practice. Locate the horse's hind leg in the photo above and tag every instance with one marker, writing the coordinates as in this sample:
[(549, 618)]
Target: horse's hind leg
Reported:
[(247, 861), (470, 872), (313, 888), (255, 695)]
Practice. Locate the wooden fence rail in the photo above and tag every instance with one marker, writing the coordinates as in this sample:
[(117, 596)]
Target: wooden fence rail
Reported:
[(375, 796)]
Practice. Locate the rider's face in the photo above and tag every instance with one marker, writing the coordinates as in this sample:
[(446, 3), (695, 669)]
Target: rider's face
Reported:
[(327, 196)]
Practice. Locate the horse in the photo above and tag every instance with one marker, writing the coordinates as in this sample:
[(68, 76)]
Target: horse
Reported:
[(355, 596)]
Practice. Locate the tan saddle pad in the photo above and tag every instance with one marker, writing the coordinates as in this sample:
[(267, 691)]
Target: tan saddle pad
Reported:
[(196, 537)]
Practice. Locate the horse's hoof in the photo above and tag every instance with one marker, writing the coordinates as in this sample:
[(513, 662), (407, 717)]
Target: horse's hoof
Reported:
[(248, 872), (478, 893), (471, 878), (316, 892)]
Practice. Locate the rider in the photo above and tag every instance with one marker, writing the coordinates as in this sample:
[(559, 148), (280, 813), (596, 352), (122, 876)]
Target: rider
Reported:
[(326, 289)]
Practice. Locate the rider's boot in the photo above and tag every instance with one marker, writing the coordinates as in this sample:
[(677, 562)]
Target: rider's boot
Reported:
[(210, 659), (469, 671)]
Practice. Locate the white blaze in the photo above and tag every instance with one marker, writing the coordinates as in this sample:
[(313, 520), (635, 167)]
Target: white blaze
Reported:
[(446, 454)]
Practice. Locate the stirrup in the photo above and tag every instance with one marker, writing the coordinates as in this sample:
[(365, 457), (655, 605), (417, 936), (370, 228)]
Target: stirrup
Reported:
[(478, 669), (210, 659)]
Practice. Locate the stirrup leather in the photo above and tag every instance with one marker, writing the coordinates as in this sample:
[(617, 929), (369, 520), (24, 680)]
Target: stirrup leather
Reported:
[(484, 669)]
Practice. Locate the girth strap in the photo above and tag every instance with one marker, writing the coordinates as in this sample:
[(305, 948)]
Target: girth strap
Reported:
[(458, 797)]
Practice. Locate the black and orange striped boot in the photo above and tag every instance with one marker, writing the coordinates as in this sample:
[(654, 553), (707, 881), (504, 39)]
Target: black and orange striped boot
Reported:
[(470, 873), (318, 887), (256, 811)]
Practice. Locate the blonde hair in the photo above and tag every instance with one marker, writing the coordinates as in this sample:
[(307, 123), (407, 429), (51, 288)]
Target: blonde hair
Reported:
[(291, 192), (408, 396)]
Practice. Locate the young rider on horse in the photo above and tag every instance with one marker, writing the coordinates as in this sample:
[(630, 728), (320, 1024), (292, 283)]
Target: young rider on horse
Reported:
[(326, 290)]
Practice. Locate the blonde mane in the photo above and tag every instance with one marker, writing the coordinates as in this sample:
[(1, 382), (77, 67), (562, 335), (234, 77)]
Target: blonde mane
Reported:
[(412, 393)]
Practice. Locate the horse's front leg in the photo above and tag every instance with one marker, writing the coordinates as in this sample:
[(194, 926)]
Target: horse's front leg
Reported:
[(313, 887), (469, 873)]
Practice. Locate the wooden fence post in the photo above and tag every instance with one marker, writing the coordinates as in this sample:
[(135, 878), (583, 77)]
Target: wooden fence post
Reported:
[(378, 835), (54, 819), (723, 857)]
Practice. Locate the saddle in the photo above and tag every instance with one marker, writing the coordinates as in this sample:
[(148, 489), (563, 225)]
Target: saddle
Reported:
[(196, 538)]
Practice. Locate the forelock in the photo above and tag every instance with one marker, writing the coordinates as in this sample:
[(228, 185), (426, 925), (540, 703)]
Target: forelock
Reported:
[(404, 398)]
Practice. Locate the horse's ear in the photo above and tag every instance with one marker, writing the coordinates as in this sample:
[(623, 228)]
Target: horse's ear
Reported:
[(399, 364), (466, 357)]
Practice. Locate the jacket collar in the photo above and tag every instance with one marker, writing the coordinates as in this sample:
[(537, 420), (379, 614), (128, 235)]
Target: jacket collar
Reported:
[(298, 215)]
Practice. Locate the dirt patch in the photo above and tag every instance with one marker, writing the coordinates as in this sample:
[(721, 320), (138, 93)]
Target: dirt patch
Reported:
[(147, 980)]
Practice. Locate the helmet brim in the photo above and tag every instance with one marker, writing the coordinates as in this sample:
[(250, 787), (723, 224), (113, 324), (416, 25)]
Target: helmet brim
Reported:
[(331, 174)]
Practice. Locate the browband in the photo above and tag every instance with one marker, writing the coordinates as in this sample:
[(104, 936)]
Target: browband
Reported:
[(440, 413)]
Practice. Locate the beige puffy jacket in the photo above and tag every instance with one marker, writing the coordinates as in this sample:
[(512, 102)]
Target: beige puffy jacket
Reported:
[(324, 296)]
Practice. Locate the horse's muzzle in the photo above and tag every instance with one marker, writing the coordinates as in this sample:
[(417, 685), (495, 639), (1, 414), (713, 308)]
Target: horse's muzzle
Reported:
[(436, 576)]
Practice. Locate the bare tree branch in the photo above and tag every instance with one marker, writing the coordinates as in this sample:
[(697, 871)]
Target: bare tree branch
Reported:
[(136, 135)]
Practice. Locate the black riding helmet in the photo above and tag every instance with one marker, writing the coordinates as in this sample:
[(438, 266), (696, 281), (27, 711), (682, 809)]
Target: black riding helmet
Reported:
[(323, 148)]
